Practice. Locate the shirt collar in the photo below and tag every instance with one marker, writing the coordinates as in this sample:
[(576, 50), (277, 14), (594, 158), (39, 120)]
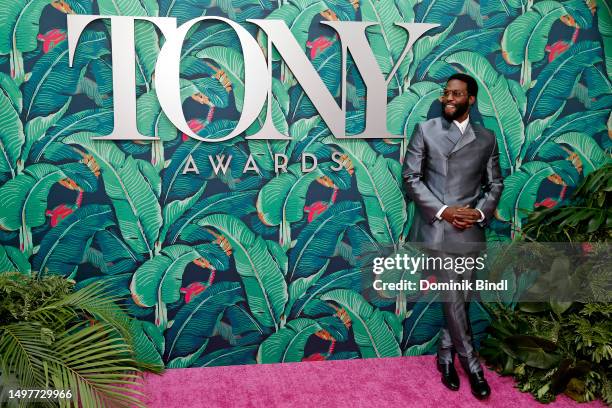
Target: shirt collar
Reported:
[(462, 125)]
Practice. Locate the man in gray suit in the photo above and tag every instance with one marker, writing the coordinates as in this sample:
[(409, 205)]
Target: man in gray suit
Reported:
[(451, 172)]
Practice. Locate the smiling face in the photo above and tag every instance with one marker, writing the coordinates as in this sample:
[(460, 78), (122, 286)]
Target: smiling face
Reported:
[(456, 103)]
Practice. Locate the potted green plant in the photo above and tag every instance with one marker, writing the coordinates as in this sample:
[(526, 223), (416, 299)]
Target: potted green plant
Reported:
[(563, 347), (77, 342)]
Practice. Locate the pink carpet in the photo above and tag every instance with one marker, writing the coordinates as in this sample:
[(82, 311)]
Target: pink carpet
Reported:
[(389, 382)]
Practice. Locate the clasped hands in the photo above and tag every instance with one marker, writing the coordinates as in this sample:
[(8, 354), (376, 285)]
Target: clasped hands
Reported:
[(461, 217)]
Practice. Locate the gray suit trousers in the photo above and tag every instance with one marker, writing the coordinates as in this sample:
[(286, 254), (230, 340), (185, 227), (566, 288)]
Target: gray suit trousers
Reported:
[(457, 333)]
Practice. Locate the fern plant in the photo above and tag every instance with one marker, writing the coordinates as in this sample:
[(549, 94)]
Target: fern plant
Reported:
[(53, 337)]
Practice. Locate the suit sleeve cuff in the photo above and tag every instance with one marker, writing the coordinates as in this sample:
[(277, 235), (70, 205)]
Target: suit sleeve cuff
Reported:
[(441, 210), (482, 216)]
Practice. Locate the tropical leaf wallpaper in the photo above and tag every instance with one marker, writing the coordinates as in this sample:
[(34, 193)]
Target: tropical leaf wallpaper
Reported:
[(239, 268)]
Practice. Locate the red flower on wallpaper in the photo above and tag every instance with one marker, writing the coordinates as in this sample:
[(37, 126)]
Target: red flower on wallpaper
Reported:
[(315, 357), (59, 213), (314, 209), (556, 49), (195, 125), (318, 207), (318, 46), (51, 38), (547, 202), (560, 47), (192, 290)]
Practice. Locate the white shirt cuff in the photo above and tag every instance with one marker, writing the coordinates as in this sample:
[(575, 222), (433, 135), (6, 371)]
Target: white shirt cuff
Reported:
[(482, 216), (441, 210)]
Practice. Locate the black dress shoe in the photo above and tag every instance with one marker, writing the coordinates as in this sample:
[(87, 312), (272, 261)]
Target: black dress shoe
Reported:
[(449, 375), (480, 387)]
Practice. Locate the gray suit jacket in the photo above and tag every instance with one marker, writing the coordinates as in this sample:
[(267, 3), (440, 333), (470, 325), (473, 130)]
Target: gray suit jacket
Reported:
[(444, 167)]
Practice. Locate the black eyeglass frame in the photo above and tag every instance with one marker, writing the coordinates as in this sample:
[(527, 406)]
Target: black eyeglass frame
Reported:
[(445, 93)]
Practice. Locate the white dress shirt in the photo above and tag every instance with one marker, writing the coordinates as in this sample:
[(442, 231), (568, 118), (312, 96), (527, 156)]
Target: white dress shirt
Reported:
[(462, 126)]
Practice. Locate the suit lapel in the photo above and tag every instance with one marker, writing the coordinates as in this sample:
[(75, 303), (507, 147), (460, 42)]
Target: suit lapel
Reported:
[(452, 134), (468, 137)]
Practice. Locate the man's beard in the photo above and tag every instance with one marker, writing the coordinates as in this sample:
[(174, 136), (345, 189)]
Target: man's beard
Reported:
[(460, 109)]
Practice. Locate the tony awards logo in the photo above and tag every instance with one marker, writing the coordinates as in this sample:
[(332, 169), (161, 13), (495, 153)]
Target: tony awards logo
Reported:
[(256, 67)]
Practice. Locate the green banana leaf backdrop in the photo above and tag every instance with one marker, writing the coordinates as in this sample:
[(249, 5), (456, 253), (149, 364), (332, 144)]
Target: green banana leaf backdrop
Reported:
[(258, 267)]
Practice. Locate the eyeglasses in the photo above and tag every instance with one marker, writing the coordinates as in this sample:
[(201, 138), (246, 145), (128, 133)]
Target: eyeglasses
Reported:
[(445, 93)]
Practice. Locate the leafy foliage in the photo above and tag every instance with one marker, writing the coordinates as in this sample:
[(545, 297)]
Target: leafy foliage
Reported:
[(559, 347), (549, 354), (54, 336), (587, 219)]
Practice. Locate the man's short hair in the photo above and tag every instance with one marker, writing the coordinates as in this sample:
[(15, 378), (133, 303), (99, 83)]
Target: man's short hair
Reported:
[(472, 85)]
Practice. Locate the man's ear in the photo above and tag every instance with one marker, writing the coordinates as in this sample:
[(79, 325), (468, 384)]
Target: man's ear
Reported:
[(471, 99)]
